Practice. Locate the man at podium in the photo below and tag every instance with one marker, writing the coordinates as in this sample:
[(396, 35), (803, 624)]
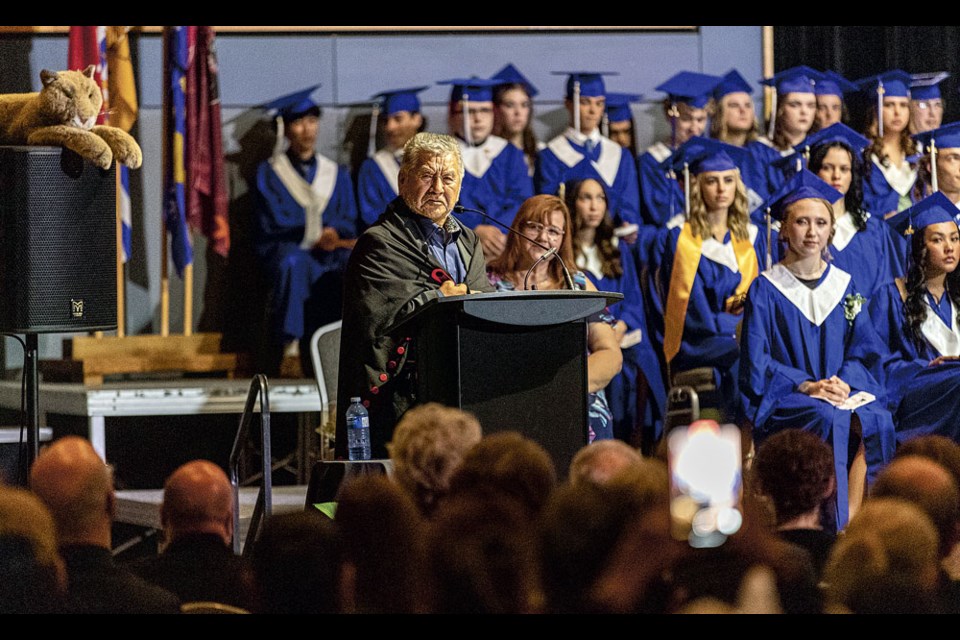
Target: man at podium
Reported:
[(414, 253)]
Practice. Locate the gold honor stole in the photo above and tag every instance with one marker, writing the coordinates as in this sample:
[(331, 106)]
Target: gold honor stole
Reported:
[(686, 260)]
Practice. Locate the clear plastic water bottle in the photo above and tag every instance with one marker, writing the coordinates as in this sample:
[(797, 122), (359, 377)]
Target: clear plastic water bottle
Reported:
[(358, 431)]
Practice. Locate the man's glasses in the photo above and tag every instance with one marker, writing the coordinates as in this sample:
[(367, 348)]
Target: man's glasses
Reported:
[(534, 229)]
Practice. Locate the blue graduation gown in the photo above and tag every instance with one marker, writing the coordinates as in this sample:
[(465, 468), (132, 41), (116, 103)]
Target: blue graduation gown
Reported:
[(762, 168), (924, 399), (640, 359), (792, 334), (873, 256), (709, 332), (888, 192), (563, 159), (294, 271), (376, 185), (661, 195), (496, 181)]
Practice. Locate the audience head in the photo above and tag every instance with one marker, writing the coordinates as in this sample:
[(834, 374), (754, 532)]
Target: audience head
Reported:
[(428, 445), (481, 555), (34, 576), (928, 485), (77, 486), (938, 448), (508, 463), (600, 461), (794, 469), (885, 561), (296, 564), (197, 498), (380, 530)]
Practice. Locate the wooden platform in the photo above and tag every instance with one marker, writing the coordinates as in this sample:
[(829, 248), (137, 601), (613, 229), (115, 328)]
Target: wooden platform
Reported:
[(91, 359)]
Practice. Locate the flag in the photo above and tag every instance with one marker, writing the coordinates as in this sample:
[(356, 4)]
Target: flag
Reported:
[(123, 113), (88, 46), (206, 182), (176, 48)]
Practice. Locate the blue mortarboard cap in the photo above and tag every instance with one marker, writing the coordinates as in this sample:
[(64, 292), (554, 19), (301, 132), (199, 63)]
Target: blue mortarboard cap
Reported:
[(591, 82), (933, 209), (731, 82), (926, 86), (691, 88), (399, 100), (896, 84), (801, 79), (837, 132), (476, 89), (618, 106), (294, 104), (946, 137), (833, 84), (790, 165), (705, 154), (803, 184), (510, 75)]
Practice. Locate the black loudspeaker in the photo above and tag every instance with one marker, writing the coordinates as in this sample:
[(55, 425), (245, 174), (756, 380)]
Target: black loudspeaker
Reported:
[(58, 247)]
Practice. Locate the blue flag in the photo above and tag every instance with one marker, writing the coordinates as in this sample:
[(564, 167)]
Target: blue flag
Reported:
[(174, 178)]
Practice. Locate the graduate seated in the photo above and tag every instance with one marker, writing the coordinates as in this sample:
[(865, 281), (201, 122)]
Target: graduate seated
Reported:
[(707, 266), (636, 395), (917, 318), (810, 356), (305, 217)]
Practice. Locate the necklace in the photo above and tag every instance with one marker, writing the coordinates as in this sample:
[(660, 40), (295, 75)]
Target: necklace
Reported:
[(808, 276)]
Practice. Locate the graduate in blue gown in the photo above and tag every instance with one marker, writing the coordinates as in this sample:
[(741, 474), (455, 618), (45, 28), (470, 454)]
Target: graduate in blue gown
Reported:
[(807, 345), (831, 105), (617, 123), (398, 113), (583, 152), (305, 225), (794, 117), (707, 266), (917, 318), (735, 122), (862, 245), (891, 172), (496, 180), (689, 95), (938, 166), (636, 395)]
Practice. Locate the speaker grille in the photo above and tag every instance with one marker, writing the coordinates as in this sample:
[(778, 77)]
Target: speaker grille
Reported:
[(58, 235)]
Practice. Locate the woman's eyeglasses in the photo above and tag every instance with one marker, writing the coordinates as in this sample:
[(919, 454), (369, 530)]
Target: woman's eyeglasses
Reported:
[(535, 228)]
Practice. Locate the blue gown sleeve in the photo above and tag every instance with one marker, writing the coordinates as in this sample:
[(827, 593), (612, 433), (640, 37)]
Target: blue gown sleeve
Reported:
[(373, 192), (548, 172), (628, 186), (341, 211)]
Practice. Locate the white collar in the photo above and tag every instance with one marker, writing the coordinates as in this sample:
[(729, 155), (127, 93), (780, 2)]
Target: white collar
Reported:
[(722, 252), (478, 159), (900, 178), (817, 303), (581, 138), (946, 340), (843, 231)]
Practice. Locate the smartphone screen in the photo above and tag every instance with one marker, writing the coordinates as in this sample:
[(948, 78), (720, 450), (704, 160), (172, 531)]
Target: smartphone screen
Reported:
[(706, 482)]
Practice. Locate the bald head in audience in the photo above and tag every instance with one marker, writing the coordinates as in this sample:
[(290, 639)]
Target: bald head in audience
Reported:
[(197, 498), (598, 462), (77, 486)]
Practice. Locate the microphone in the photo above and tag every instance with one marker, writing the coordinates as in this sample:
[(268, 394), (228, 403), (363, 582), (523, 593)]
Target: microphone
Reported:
[(550, 252)]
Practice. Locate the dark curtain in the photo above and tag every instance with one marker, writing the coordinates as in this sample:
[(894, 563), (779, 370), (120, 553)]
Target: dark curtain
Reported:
[(859, 52)]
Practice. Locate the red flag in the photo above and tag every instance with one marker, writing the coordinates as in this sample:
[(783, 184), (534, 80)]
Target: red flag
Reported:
[(86, 46), (206, 181)]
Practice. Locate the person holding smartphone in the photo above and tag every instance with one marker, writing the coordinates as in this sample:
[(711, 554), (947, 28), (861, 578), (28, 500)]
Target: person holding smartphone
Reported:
[(810, 355)]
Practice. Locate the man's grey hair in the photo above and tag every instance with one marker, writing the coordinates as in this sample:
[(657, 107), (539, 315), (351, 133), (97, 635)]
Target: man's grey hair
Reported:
[(426, 144)]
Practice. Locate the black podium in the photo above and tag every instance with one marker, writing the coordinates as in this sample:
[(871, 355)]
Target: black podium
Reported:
[(516, 360)]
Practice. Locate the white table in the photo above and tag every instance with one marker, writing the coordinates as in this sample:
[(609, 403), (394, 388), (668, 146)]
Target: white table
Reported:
[(158, 398)]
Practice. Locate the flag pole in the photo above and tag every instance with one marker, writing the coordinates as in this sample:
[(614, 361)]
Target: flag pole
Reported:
[(165, 108), (121, 311), (188, 300)]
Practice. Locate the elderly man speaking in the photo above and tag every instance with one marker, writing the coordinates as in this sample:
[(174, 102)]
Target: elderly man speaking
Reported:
[(415, 252)]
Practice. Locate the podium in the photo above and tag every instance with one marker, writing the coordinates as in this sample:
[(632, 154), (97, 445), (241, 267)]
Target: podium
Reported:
[(516, 360)]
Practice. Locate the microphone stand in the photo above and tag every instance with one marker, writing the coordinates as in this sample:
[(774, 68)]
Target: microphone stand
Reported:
[(550, 252)]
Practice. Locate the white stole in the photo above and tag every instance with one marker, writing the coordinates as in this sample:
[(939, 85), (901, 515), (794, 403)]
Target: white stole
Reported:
[(312, 197), (389, 168), (946, 340)]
